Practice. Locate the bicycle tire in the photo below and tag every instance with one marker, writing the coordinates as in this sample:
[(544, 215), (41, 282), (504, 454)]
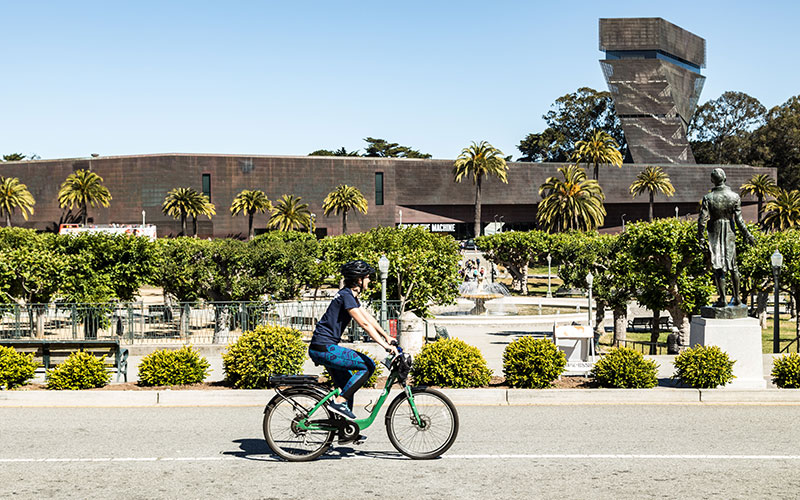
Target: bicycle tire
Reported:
[(422, 443), (285, 440)]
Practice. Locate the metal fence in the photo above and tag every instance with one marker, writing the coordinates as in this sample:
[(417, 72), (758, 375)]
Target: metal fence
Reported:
[(197, 323)]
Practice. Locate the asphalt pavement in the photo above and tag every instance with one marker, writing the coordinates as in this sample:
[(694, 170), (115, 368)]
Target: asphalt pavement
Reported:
[(541, 451)]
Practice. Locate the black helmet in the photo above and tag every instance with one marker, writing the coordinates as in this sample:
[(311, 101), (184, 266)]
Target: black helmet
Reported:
[(356, 269)]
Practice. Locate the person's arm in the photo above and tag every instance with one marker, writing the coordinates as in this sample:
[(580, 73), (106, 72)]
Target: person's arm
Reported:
[(368, 323), (702, 219), (737, 218)]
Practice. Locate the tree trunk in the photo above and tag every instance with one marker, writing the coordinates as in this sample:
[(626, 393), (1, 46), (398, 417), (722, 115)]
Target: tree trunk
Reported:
[(8, 219), (84, 213), (761, 307), (650, 216), (478, 206), (597, 172), (760, 199), (344, 222), (599, 318), (183, 224), (221, 324), (194, 226), (249, 226), (184, 320), (519, 278), (40, 313), (681, 320), (655, 332), (620, 324)]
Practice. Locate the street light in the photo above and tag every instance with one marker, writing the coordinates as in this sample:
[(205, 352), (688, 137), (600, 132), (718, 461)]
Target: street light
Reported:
[(777, 262), (383, 267), (623, 222), (311, 225), (676, 211), (589, 281), (143, 214), (401, 217), (549, 259)]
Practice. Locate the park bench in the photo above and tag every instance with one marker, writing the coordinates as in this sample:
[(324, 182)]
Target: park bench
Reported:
[(645, 323), (53, 352)]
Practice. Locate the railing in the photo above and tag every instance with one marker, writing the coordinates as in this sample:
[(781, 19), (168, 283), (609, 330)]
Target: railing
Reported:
[(796, 342), (139, 322), (640, 345)]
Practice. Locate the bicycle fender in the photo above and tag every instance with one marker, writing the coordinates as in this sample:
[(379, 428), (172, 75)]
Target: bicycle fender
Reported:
[(296, 390)]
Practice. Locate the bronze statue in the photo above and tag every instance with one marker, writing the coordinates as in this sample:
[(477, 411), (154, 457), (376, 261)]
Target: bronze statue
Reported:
[(721, 210)]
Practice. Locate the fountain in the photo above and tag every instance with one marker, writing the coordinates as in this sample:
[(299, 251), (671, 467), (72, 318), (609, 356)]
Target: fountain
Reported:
[(481, 291)]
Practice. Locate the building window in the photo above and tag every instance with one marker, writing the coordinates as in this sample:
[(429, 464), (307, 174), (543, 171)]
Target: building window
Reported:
[(378, 188), (207, 186)]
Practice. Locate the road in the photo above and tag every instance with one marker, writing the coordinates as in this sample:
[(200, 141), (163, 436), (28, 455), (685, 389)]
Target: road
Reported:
[(557, 451)]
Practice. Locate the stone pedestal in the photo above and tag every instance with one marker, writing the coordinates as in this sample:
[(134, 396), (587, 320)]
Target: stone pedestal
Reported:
[(741, 339), (411, 336)]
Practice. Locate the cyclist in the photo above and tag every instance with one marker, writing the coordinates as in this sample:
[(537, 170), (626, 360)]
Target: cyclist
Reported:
[(340, 361)]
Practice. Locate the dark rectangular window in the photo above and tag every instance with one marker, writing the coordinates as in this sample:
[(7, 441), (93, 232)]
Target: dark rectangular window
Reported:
[(379, 188), (207, 186)]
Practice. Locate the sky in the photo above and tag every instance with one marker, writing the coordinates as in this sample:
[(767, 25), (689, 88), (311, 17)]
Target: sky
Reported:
[(288, 78)]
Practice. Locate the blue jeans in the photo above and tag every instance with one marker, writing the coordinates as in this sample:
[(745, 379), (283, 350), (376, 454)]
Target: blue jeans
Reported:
[(349, 369)]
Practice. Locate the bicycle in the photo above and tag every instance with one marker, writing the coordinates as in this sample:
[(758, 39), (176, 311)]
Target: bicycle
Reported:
[(299, 427)]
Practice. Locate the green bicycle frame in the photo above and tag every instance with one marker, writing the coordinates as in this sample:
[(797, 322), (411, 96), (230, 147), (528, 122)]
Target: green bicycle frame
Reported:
[(363, 423)]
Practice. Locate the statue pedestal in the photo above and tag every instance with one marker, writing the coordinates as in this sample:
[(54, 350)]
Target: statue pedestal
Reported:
[(741, 339)]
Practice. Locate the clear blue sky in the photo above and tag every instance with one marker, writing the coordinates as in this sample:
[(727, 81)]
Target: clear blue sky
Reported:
[(286, 78)]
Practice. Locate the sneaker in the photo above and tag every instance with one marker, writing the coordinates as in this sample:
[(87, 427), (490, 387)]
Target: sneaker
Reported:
[(341, 409)]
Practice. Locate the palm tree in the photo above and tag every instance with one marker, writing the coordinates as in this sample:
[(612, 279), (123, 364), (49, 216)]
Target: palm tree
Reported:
[(784, 211), (14, 195), (478, 161), (181, 202), (760, 185), (289, 214), (599, 148), (250, 203), (654, 180), (343, 199), (83, 188), (203, 207), (575, 203)]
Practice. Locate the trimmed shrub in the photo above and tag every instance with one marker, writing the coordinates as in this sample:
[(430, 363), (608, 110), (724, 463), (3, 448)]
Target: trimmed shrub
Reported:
[(173, 367), (704, 367), (81, 370), (264, 351), (786, 371), (532, 363), (450, 363), (16, 368), (372, 379), (625, 368)]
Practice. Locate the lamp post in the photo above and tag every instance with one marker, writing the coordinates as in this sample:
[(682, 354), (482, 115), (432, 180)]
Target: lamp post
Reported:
[(777, 261), (589, 282), (383, 267), (143, 214), (311, 224), (623, 222), (676, 211), (549, 259), (401, 217)]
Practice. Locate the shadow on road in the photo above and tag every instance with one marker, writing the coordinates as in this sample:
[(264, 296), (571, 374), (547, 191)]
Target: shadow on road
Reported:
[(258, 450)]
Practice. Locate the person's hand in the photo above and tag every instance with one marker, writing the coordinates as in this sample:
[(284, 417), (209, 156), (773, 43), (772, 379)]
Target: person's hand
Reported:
[(392, 349)]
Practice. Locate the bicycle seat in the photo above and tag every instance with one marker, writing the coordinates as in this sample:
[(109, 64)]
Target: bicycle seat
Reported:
[(289, 380)]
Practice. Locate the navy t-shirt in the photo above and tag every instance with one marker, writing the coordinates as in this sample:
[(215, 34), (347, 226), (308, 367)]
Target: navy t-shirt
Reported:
[(329, 329)]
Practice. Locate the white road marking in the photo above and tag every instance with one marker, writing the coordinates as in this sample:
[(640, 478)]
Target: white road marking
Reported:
[(577, 456)]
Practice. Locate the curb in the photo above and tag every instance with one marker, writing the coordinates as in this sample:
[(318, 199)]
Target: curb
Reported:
[(460, 397)]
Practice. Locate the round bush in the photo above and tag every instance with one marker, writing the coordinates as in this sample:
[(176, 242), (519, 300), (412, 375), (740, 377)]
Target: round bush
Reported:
[(786, 371), (450, 363), (704, 367), (81, 370), (173, 367), (532, 363), (267, 350), (623, 367), (16, 368), (373, 379)]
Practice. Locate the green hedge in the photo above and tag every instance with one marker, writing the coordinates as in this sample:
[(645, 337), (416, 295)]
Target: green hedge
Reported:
[(264, 351), (532, 363), (81, 370), (173, 367), (786, 371), (704, 367), (16, 368), (450, 363), (625, 368)]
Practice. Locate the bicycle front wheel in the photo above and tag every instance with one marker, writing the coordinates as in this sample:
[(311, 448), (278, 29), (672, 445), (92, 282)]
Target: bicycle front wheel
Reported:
[(283, 435), (433, 435)]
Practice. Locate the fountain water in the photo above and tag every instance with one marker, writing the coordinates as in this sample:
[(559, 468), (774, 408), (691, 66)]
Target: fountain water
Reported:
[(481, 291)]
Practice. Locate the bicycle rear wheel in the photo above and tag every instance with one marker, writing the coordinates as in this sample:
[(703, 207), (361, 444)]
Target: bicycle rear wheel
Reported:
[(434, 435), (283, 435)]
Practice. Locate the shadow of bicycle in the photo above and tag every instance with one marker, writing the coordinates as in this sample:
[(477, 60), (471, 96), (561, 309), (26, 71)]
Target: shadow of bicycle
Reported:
[(258, 450)]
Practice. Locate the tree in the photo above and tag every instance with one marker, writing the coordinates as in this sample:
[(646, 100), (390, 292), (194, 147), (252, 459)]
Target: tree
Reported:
[(83, 188), (777, 143), (383, 149), (653, 180), (599, 148), (15, 195), (478, 161), (784, 211), (290, 214), (760, 186), (725, 125), (250, 203), (181, 202), (205, 207), (569, 118), (516, 250), (14, 157), (343, 199), (339, 152), (575, 203), (669, 270)]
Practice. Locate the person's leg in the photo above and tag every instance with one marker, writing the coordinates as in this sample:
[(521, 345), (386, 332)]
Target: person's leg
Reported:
[(347, 360), (735, 282)]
